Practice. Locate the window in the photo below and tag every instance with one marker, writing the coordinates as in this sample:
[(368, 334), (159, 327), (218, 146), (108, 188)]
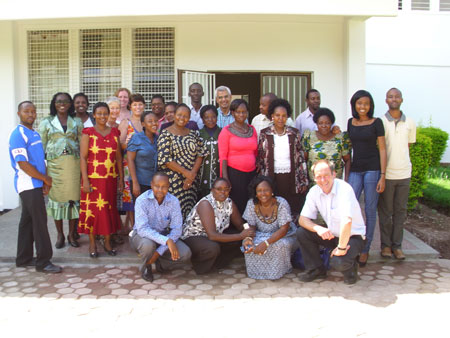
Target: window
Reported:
[(420, 5), (444, 5), (48, 67), (292, 88), (100, 62), (96, 62)]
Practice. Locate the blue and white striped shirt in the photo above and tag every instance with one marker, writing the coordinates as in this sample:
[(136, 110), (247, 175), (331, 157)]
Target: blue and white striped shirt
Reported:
[(158, 222)]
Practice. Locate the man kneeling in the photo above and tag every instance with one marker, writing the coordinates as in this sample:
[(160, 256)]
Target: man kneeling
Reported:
[(344, 234), (157, 229)]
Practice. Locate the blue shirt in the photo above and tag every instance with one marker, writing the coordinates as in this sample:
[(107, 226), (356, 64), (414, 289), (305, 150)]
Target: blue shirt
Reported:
[(158, 222), (224, 120), (26, 145), (146, 156)]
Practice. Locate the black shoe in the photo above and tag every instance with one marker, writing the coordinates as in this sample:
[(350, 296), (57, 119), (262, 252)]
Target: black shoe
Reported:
[(111, 252), (158, 266), (30, 263), (351, 275), (76, 235), (93, 254), (73, 242), (147, 274), (60, 242), (50, 268), (314, 274)]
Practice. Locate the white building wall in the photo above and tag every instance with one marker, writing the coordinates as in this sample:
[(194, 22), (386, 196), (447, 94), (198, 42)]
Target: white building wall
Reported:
[(8, 197), (412, 52)]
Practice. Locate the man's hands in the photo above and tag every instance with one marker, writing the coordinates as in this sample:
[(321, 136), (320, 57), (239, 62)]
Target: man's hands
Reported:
[(323, 232), (173, 249), (337, 252), (47, 184)]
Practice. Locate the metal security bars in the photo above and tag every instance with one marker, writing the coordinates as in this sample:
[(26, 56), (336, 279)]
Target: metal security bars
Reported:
[(420, 5), (153, 63), (444, 5), (100, 62), (48, 67), (290, 87)]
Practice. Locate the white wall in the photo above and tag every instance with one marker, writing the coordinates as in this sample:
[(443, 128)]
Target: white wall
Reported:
[(412, 52), (8, 197), (317, 45)]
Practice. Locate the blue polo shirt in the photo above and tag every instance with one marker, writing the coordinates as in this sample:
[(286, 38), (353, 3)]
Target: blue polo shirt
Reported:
[(146, 160), (26, 145)]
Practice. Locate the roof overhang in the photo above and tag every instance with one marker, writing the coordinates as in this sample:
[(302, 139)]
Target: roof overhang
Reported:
[(57, 9)]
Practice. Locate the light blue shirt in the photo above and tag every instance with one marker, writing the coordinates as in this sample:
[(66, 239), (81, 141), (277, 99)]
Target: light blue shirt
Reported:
[(158, 222), (224, 120)]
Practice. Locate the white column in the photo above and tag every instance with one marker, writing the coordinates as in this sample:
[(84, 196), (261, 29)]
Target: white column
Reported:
[(8, 197), (355, 68)]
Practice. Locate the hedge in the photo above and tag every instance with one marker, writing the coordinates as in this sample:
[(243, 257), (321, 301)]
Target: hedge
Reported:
[(420, 154), (439, 140)]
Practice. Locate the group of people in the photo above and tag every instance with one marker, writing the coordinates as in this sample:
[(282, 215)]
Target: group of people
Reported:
[(200, 185)]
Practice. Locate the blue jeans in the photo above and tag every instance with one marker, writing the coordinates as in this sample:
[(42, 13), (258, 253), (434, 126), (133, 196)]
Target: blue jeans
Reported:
[(368, 181)]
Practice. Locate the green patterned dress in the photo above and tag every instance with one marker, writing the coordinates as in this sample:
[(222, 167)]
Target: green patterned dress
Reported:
[(210, 169), (333, 150)]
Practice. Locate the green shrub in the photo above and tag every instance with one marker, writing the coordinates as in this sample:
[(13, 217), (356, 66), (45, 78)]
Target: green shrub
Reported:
[(420, 154), (437, 192), (439, 140)]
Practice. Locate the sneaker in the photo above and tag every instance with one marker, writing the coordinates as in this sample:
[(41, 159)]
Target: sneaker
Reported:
[(386, 252), (398, 254), (314, 274)]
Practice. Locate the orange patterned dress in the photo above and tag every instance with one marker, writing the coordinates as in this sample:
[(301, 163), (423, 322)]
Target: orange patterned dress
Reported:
[(98, 209)]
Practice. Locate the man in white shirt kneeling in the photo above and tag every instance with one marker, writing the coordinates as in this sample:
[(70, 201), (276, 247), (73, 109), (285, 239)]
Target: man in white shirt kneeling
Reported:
[(344, 231)]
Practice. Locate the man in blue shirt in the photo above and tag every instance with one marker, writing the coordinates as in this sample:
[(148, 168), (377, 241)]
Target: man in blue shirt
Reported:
[(157, 229), (31, 182)]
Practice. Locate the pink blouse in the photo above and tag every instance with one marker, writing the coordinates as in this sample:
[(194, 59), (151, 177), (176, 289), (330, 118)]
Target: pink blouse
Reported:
[(239, 152)]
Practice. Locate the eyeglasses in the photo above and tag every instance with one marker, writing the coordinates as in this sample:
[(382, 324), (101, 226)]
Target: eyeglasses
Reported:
[(62, 101)]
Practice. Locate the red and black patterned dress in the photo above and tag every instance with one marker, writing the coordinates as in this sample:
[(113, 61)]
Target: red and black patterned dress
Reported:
[(98, 209)]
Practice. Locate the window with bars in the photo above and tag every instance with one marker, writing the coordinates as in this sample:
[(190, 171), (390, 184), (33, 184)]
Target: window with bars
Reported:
[(48, 67), (400, 5), (100, 62), (444, 5), (420, 5), (96, 64), (154, 62)]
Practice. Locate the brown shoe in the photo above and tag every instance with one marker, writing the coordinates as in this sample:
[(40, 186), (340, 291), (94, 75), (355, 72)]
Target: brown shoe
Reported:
[(386, 252), (398, 254), (362, 261)]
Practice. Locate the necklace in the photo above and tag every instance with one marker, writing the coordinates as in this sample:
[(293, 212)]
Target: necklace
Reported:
[(269, 219), (282, 134)]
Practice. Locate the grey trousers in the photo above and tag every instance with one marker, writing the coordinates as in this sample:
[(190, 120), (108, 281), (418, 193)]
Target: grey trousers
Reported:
[(392, 207), (146, 248)]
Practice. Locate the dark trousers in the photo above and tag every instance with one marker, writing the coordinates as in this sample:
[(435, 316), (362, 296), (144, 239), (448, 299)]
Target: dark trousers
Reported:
[(240, 181), (33, 228), (284, 189), (310, 243), (207, 254), (392, 206)]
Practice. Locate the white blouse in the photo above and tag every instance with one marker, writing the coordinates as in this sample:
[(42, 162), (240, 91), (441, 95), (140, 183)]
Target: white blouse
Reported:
[(281, 154)]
